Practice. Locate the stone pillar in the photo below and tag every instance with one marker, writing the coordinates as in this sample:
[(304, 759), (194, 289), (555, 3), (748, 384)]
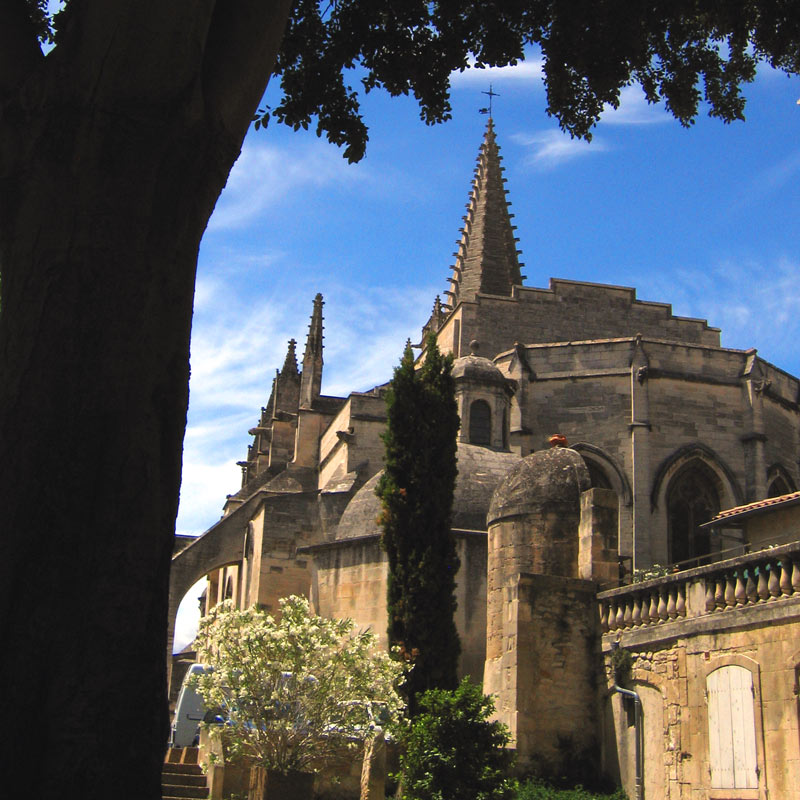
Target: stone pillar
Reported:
[(307, 436), (753, 439), (550, 667), (640, 456), (598, 548)]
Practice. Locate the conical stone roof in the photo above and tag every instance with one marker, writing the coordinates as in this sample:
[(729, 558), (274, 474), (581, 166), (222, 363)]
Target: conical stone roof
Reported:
[(487, 260)]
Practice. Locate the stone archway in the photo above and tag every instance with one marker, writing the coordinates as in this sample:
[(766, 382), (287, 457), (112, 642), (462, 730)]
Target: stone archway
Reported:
[(221, 545)]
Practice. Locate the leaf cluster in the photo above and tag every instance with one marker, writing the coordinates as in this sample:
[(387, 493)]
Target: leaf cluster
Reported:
[(416, 491), (679, 51), (294, 692), (683, 52), (534, 789), (452, 749)]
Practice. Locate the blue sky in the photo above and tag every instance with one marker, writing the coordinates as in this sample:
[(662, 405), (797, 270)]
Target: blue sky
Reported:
[(705, 218)]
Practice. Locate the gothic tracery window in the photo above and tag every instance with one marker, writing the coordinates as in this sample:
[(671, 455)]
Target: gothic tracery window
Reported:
[(692, 499), (778, 486)]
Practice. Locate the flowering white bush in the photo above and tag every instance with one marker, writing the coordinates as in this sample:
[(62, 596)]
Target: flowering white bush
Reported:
[(293, 693)]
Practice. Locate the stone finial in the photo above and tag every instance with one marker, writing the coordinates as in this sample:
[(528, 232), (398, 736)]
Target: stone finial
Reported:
[(290, 362)]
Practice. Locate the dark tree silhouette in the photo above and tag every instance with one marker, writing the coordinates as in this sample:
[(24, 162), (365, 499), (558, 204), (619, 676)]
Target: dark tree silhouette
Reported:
[(416, 491), (114, 148)]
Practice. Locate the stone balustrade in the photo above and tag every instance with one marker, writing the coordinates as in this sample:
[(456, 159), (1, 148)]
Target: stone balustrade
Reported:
[(756, 578)]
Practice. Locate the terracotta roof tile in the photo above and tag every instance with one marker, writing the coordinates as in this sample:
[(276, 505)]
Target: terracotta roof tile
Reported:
[(758, 505)]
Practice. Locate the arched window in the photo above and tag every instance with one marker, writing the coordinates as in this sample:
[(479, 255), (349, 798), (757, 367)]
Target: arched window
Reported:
[(692, 499), (597, 475), (480, 423), (778, 486), (731, 728)]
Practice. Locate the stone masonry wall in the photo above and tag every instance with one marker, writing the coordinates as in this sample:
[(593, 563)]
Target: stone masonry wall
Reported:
[(575, 311), (670, 664), (549, 673), (349, 580)]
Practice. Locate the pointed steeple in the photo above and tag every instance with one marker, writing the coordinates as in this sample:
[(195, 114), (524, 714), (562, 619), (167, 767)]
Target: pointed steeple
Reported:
[(290, 362), (487, 258), (311, 380)]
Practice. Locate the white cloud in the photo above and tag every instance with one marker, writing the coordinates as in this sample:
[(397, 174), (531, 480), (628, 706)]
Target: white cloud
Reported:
[(754, 302), (634, 109), (237, 344), (778, 175), (529, 71), (264, 175), (552, 148)]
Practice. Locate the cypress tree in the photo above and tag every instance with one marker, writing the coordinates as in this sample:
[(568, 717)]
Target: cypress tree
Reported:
[(416, 491)]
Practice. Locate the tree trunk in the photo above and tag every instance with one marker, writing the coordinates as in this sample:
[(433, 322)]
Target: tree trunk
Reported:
[(107, 181)]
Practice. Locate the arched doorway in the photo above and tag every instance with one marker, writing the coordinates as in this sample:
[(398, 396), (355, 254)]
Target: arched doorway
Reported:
[(693, 497)]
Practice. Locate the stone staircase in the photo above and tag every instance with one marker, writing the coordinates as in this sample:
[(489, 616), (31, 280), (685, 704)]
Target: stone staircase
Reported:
[(181, 775)]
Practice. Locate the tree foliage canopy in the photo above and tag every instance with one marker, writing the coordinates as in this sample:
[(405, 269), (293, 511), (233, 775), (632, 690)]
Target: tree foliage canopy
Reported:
[(294, 693), (680, 51), (416, 490)]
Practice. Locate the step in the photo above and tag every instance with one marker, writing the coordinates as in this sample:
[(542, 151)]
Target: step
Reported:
[(181, 769), (200, 792), (183, 780), (181, 755)]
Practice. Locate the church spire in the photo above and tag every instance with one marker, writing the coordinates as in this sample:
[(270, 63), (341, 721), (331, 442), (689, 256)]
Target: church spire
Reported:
[(311, 380), (486, 260)]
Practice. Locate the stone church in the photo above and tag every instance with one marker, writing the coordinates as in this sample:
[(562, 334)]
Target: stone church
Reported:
[(673, 445)]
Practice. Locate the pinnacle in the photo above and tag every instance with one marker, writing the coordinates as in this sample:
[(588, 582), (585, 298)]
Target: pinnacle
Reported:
[(290, 363), (486, 260)]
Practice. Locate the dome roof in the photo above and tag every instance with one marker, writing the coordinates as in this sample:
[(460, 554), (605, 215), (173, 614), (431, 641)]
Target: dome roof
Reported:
[(479, 471), (548, 477), (478, 369)]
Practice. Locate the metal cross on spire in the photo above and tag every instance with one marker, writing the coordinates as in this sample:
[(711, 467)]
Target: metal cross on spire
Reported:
[(491, 96)]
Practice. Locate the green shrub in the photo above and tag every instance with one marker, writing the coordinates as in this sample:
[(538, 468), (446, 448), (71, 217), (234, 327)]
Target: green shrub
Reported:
[(453, 751), (533, 789)]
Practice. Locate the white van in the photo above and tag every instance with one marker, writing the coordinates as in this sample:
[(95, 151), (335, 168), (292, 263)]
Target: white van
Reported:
[(190, 711)]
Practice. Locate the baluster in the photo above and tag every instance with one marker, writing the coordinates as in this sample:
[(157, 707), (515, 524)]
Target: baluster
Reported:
[(739, 595), (603, 616), (786, 579), (795, 577), (730, 594), (653, 608), (719, 593), (763, 588), (612, 615), (628, 618), (662, 606), (750, 588), (636, 617), (680, 606), (773, 584), (620, 614), (645, 609), (672, 610), (710, 585)]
